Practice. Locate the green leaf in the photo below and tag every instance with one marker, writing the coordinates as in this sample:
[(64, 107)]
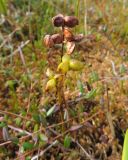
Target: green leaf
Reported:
[(81, 87), (125, 147), (93, 77), (15, 140), (2, 124), (37, 118), (22, 134), (91, 94), (28, 145), (28, 158), (11, 84), (50, 111), (36, 127), (67, 141), (28, 123), (18, 121), (43, 137), (3, 6), (122, 69)]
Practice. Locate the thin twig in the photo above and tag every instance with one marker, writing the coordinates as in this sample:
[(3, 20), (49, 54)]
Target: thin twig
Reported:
[(115, 78), (19, 130), (15, 129), (113, 68), (84, 151), (23, 60), (29, 101), (23, 44), (16, 115), (5, 143), (8, 37), (45, 150)]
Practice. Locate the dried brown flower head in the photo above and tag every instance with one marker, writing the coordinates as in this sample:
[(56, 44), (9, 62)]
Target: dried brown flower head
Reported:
[(58, 20), (68, 35), (70, 21), (57, 38), (48, 41)]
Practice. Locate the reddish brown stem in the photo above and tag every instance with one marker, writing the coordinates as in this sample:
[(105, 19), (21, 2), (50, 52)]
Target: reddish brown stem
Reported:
[(62, 52)]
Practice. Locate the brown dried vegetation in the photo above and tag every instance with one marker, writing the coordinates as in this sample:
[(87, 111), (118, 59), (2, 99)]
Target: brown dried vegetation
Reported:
[(78, 114)]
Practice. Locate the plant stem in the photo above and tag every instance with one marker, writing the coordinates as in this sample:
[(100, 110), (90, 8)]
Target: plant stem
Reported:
[(62, 51)]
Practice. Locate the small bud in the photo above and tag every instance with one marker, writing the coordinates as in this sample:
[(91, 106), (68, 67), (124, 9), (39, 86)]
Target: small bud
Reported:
[(48, 41), (51, 84), (68, 35), (66, 58), (70, 21), (57, 38), (63, 67), (76, 65), (58, 20)]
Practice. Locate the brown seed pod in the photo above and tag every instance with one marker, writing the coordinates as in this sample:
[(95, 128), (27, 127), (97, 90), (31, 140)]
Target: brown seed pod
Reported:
[(58, 20), (68, 35), (70, 21), (70, 47), (48, 41), (57, 38)]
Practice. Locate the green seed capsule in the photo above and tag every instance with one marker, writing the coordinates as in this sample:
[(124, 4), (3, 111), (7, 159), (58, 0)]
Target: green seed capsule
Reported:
[(51, 84), (76, 65), (66, 58), (63, 67)]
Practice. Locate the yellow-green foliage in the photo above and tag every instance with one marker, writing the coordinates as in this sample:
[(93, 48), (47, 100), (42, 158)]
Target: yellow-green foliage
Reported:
[(3, 6), (125, 147)]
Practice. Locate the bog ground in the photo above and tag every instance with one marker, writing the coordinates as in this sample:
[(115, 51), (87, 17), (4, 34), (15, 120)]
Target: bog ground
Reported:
[(63, 79)]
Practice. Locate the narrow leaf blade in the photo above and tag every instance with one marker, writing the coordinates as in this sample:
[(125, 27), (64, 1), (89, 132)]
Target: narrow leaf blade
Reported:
[(125, 147)]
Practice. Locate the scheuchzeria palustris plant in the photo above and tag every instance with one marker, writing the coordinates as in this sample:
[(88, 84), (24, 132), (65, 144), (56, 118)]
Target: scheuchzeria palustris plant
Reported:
[(67, 38)]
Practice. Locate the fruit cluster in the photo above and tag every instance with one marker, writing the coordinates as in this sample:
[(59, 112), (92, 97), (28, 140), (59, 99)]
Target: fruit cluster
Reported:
[(66, 23), (67, 63)]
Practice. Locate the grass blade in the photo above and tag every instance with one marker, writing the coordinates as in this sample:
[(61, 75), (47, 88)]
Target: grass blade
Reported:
[(125, 147)]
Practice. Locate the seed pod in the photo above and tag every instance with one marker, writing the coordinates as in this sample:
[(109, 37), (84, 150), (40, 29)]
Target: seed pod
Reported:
[(63, 67), (58, 20), (51, 84), (57, 38), (76, 65), (68, 35), (66, 58), (48, 41), (70, 21)]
